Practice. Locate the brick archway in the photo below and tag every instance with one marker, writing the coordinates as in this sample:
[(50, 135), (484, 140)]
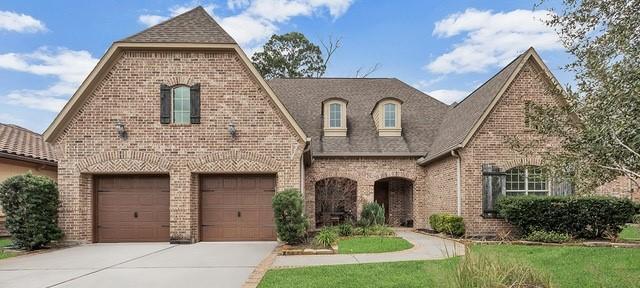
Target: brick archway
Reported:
[(335, 201)]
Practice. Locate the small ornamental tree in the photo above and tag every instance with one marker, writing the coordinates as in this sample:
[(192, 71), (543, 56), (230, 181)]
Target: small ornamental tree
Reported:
[(30, 203), (372, 214), (288, 210)]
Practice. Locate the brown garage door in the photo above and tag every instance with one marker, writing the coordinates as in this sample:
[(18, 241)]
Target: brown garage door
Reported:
[(132, 208), (237, 207)]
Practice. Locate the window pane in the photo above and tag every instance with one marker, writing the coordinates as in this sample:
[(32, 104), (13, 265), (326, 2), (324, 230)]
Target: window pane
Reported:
[(515, 181), (537, 180), (181, 105), (335, 116), (389, 115)]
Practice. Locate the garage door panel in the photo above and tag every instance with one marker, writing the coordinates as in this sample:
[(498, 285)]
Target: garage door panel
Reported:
[(223, 196), (132, 208)]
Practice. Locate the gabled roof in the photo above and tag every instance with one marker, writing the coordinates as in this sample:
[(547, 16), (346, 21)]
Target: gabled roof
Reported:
[(461, 121), (194, 26), (25, 145), (421, 114), (209, 36)]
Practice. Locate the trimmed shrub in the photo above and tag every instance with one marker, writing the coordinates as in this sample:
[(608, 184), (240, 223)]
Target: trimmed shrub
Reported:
[(372, 214), (548, 237), (326, 237), (588, 217), (291, 223), (345, 229), (635, 219), (479, 270), (447, 223), (30, 203)]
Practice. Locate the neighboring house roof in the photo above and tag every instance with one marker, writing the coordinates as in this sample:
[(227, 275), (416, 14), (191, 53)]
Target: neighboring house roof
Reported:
[(194, 26), (22, 144), (166, 35), (421, 114), (462, 120)]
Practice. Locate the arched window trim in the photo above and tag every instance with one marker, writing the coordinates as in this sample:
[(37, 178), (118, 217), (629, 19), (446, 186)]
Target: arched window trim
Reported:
[(185, 113), (380, 119), (532, 181), (333, 130)]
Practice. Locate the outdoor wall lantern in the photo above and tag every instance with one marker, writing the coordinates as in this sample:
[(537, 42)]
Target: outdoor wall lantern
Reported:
[(122, 132), (232, 130)]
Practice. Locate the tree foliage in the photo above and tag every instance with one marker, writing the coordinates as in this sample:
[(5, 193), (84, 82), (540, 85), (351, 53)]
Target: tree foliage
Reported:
[(600, 125), (290, 55)]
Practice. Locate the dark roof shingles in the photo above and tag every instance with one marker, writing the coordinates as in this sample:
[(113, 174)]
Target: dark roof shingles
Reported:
[(194, 26), (19, 141), (303, 97)]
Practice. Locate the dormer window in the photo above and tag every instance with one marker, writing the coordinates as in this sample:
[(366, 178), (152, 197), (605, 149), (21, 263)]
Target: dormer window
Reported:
[(386, 115), (335, 117)]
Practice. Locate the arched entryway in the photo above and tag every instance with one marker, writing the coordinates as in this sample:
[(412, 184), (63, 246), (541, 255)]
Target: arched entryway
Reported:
[(396, 195), (336, 199)]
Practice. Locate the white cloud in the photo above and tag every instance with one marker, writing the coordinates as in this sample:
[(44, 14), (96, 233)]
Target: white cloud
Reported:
[(257, 20), (10, 119), (15, 22), (491, 39), (68, 67), (448, 96)]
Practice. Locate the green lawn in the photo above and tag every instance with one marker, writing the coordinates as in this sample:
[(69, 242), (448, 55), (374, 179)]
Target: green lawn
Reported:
[(567, 266), (3, 243), (630, 233), (372, 244)]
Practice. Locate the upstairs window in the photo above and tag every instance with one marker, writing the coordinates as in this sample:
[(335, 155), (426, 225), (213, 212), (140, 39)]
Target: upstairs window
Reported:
[(335, 115), (181, 104), (390, 115)]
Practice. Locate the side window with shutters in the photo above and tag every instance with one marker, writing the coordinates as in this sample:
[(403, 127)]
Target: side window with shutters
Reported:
[(180, 104)]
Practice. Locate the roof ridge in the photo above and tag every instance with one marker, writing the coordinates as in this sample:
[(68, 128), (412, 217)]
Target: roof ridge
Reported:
[(160, 24), (333, 78), (14, 126)]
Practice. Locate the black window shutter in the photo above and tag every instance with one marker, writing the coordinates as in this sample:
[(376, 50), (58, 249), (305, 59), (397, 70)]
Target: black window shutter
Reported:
[(165, 104), (195, 104)]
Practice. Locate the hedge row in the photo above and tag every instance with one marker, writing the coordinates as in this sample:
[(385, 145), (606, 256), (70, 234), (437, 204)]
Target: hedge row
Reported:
[(589, 217)]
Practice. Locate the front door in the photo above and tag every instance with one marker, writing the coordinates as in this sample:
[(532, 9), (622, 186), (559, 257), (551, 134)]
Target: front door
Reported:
[(381, 196)]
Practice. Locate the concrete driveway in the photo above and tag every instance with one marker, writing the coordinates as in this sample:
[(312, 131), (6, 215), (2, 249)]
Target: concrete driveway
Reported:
[(213, 264)]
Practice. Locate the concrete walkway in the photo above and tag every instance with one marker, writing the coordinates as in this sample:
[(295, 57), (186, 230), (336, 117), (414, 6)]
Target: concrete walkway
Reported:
[(158, 265), (425, 247)]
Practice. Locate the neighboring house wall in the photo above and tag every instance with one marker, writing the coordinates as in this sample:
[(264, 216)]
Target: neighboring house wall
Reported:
[(366, 171), (490, 145), (89, 145), (10, 168)]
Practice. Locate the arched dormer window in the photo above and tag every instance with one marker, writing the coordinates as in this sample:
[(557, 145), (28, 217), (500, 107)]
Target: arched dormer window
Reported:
[(335, 117), (526, 180), (387, 115)]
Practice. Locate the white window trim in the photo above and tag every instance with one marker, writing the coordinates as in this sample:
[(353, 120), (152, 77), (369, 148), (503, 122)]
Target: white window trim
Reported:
[(526, 184), (173, 94), (335, 131)]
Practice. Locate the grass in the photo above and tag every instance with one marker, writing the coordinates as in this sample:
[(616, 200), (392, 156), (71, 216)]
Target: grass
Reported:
[(372, 244), (567, 267), (4, 242), (630, 232)]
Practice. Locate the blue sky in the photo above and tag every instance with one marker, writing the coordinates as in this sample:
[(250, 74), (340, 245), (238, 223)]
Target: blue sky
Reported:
[(445, 49)]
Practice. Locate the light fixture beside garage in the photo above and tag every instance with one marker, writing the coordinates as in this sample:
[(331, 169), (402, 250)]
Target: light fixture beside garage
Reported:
[(122, 131), (232, 130)]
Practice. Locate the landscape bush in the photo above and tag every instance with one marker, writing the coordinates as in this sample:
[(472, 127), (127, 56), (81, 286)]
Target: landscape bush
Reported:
[(548, 237), (479, 270), (30, 204), (586, 217), (635, 219), (372, 214), (288, 210), (345, 229), (447, 223), (326, 237)]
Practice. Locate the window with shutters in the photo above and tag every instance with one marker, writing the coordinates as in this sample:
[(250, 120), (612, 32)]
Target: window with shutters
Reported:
[(526, 180), (181, 105)]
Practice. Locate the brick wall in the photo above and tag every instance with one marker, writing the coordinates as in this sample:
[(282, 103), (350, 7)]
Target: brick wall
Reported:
[(441, 191), (366, 171), (130, 93), (489, 145), (620, 187)]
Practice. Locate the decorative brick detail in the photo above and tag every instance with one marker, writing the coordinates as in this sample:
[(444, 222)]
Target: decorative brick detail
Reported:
[(234, 161)]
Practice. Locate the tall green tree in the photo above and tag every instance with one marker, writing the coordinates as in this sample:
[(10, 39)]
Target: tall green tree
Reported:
[(600, 125), (290, 55)]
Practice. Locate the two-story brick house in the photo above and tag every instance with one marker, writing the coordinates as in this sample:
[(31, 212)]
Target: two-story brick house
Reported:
[(175, 136)]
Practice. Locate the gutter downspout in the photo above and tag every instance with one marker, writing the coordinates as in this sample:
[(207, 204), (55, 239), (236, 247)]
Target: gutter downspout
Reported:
[(458, 180)]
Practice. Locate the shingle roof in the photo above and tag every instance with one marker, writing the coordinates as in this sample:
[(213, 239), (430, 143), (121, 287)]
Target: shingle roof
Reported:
[(461, 118), (18, 141), (194, 26), (421, 114)]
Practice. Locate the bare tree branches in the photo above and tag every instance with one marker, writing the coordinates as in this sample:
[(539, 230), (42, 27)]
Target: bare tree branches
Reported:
[(364, 74), (330, 46)]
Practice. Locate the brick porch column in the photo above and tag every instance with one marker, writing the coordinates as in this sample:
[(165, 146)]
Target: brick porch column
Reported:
[(364, 195)]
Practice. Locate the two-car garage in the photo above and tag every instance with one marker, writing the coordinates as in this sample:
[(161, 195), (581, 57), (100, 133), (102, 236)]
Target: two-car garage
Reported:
[(135, 208)]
